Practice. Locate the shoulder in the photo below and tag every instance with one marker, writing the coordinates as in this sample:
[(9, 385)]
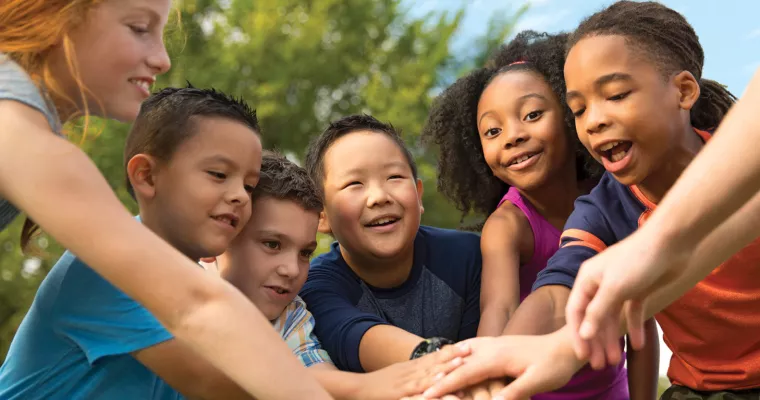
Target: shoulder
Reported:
[(440, 238), (16, 85), (507, 224)]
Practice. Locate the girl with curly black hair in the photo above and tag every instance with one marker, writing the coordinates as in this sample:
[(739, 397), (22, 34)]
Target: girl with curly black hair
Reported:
[(509, 150)]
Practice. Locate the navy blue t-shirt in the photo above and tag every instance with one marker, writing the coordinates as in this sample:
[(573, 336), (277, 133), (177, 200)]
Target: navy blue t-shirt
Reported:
[(441, 297)]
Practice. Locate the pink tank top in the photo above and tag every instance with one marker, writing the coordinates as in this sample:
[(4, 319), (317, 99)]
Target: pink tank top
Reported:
[(608, 384)]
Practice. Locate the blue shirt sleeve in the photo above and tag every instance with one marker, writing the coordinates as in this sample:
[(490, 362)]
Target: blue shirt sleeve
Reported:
[(99, 318), (331, 295), (471, 316), (15, 84), (586, 234)]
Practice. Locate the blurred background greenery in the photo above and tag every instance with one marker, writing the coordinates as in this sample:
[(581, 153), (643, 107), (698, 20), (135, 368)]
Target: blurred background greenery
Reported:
[(300, 63)]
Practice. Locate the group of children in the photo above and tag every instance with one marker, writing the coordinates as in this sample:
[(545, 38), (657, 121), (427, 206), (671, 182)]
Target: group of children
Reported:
[(565, 141)]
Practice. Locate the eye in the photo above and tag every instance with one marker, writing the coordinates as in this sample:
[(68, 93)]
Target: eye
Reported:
[(353, 183), (492, 132), (579, 112), (620, 96), (140, 30), (249, 188), (396, 177), (307, 253), (271, 244), (217, 175), (533, 115)]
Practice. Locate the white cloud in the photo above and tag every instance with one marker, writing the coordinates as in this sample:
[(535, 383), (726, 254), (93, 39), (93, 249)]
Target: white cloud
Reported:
[(543, 22)]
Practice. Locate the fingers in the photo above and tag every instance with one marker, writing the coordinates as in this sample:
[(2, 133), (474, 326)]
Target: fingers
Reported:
[(612, 341), (466, 375), (597, 358), (634, 315), (495, 386), (575, 312), (526, 385), (480, 392), (604, 303)]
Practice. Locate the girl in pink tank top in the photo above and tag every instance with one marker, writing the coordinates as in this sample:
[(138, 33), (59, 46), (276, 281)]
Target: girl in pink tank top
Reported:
[(508, 149)]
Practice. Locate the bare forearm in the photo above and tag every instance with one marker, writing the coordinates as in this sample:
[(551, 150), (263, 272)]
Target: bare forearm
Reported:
[(698, 202), (384, 345), (339, 384), (543, 311), (493, 320), (643, 366)]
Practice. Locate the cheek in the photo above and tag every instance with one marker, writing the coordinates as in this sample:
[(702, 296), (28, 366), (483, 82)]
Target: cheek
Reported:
[(490, 152)]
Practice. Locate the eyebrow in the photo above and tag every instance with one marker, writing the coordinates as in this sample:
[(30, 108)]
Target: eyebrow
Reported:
[(282, 237), (601, 81), (520, 99)]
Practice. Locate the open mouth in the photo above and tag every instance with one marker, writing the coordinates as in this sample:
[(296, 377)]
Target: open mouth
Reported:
[(278, 289), (522, 159), (382, 221), (615, 151), (141, 83), (227, 219)]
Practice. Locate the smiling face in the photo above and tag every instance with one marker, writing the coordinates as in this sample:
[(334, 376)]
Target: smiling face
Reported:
[(629, 116), (522, 129), (269, 260), (373, 203), (199, 200), (119, 51)]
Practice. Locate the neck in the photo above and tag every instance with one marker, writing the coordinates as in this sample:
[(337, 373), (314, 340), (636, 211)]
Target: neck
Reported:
[(151, 222), (381, 272), (555, 199), (657, 183)]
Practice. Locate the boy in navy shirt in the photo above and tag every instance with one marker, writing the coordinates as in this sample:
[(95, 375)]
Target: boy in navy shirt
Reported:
[(389, 289)]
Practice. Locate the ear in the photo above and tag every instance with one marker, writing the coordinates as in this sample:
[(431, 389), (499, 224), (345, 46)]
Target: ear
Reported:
[(420, 192), (688, 89), (324, 224), (141, 171)]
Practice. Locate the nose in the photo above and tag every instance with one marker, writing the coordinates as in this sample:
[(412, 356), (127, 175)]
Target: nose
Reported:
[(594, 119), (514, 135), (289, 269), (377, 195), (237, 194), (159, 61)]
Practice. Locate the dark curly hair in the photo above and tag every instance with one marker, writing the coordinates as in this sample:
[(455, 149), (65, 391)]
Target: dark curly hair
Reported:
[(670, 42), (463, 175), (282, 179), (315, 153)]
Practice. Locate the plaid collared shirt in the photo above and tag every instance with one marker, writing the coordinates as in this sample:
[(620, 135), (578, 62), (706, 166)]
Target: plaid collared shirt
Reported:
[(296, 327)]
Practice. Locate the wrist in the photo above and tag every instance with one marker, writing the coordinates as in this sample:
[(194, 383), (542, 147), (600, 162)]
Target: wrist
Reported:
[(564, 340), (428, 346)]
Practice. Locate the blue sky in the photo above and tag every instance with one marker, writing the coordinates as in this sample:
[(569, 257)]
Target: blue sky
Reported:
[(729, 30)]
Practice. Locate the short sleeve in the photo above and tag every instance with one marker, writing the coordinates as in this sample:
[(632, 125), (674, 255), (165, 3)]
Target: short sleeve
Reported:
[(300, 337), (15, 84), (474, 265), (99, 318), (586, 234), (331, 295)]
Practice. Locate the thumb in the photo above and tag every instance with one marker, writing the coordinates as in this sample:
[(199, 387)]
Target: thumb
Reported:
[(605, 301), (530, 383)]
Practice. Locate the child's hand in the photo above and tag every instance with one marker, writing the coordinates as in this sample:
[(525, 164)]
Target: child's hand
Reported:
[(411, 377), (539, 363)]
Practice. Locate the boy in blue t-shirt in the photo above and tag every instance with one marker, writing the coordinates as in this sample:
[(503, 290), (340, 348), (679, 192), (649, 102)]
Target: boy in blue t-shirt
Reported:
[(193, 156), (389, 289)]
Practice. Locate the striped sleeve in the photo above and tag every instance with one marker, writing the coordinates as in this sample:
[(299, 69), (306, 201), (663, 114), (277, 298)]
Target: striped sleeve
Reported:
[(298, 333), (586, 234)]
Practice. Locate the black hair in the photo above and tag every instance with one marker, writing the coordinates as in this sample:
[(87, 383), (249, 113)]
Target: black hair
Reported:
[(282, 179), (463, 174), (315, 153), (166, 121), (670, 42)]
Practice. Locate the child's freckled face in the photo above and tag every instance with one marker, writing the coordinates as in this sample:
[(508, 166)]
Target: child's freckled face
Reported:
[(372, 202), (626, 113), (269, 260), (522, 130)]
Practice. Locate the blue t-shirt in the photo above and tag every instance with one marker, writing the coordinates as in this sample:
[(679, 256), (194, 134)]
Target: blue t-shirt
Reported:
[(16, 85), (75, 342), (441, 297)]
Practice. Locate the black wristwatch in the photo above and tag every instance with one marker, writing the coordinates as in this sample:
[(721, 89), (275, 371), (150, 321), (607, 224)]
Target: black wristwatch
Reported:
[(428, 346)]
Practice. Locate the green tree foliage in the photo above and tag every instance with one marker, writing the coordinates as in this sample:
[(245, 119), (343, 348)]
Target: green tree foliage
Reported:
[(300, 63)]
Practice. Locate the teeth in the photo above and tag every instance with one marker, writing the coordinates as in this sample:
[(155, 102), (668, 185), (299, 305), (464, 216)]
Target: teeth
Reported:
[(618, 156), (383, 221), (226, 220), (521, 159), (609, 145), (141, 83)]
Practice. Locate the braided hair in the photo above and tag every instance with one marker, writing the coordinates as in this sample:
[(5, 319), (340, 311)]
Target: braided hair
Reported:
[(670, 42), (464, 177)]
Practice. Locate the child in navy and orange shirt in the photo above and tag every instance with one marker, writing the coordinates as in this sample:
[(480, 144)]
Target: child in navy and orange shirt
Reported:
[(508, 149), (642, 109)]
